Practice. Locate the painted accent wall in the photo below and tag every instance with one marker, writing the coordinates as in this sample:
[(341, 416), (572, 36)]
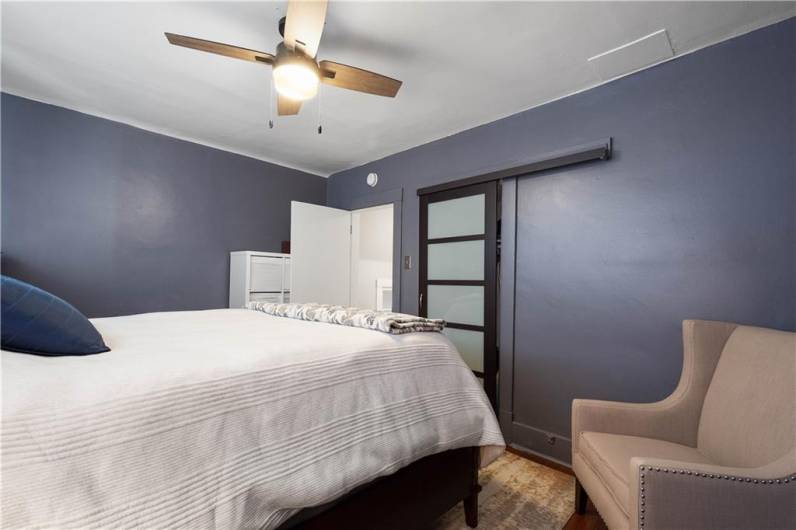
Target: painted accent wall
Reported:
[(118, 220), (694, 217)]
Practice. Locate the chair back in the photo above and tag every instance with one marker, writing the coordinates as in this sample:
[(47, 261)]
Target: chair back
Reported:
[(749, 414)]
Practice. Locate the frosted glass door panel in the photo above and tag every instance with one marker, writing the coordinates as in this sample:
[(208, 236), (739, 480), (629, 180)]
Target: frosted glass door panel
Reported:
[(463, 260), (470, 345), (461, 304), (456, 217)]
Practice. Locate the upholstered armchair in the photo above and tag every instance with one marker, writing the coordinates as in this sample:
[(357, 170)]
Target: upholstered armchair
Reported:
[(720, 452)]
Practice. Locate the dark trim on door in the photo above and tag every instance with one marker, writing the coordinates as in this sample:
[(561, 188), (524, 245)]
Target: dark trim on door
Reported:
[(456, 239), (467, 327), (601, 150), (490, 294), (508, 245), (455, 282)]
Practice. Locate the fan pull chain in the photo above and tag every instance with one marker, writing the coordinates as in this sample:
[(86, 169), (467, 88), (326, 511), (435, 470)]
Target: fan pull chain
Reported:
[(320, 127), (271, 103)]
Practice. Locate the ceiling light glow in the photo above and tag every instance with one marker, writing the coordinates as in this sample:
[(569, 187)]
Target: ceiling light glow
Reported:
[(296, 81)]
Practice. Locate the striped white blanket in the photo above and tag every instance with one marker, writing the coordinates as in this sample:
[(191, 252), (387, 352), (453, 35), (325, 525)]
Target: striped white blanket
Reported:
[(225, 419)]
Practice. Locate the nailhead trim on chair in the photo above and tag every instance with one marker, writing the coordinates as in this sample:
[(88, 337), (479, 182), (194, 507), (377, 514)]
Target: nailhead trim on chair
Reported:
[(642, 469)]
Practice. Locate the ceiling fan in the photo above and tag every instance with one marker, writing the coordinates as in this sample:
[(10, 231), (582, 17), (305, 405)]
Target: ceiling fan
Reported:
[(297, 73)]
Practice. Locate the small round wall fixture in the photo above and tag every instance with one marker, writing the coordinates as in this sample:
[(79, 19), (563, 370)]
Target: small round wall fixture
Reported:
[(372, 180)]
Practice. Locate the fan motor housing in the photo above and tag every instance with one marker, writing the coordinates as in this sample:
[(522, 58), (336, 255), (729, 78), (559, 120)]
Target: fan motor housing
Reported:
[(286, 56), (282, 26)]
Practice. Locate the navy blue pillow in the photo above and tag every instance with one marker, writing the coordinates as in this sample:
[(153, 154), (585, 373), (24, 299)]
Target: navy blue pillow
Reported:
[(35, 321)]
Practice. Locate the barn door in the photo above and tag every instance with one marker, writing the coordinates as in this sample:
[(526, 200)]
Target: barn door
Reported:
[(458, 272)]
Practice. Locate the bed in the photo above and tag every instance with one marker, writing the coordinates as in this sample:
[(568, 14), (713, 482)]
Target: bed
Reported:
[(238, 419)]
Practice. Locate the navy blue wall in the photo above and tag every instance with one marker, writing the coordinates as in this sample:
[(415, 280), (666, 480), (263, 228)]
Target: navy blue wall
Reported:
[(118, 220), (694, 217)]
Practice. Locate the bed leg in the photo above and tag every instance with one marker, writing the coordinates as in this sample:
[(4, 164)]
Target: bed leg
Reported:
[(471, 501), (581, 498), (471, 510)]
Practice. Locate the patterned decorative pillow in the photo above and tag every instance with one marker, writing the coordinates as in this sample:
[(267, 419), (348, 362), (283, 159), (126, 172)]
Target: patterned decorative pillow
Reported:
[(384, 321), (35, 321)]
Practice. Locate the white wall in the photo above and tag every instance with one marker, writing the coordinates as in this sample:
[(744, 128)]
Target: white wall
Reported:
[(371, 252)]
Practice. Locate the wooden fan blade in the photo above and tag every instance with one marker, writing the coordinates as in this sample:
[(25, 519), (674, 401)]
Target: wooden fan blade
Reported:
[(286, 106), (304, 25), (221, 49), (353, 78)]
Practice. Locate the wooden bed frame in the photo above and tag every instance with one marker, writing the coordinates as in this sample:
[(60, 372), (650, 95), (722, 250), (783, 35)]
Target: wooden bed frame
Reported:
[(412, 497)]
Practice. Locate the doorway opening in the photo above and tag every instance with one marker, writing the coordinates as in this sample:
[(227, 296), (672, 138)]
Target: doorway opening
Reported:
[(372, 257), (344, 257)]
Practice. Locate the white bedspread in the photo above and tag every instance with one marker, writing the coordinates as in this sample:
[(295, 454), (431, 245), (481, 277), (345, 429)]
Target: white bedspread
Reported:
[(225, 419)]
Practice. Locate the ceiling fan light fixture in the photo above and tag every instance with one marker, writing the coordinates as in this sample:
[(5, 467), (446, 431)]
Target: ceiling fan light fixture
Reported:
[(297, 73), (296, 80)]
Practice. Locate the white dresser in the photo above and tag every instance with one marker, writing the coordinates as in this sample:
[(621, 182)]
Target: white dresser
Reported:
[(258, 277)]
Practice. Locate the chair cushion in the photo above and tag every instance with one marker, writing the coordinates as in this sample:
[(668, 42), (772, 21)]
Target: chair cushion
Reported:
[(749, 413), (609, 456)]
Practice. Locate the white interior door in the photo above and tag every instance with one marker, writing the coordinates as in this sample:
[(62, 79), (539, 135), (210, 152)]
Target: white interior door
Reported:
[(320, 252)]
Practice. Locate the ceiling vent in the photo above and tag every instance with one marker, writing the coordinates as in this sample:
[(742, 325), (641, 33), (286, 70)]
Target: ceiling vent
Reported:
[(633, 56)]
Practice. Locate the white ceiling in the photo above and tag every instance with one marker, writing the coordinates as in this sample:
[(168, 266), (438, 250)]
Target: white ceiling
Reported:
[(462, 64)]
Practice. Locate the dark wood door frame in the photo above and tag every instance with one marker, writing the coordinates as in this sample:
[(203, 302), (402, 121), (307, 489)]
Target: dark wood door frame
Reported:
[(599, 150), (489, 329)]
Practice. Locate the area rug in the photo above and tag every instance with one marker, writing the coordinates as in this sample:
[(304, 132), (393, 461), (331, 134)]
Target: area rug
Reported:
[(518, 494)]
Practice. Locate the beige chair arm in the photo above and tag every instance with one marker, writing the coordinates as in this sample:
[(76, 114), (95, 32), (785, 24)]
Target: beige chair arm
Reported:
[(676, 418), (650, 420), (667, 494)]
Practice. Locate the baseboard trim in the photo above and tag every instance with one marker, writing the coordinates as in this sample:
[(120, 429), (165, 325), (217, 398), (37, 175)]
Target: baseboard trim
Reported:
[(544, 460), (537, 442)]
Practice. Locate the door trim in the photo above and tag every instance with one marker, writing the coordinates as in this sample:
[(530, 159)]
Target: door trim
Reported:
[(396, 198), (508, 267)]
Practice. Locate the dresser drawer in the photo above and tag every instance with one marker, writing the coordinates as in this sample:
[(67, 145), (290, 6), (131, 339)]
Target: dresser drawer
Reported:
[(266, 297), (266, 274), (258, 277)]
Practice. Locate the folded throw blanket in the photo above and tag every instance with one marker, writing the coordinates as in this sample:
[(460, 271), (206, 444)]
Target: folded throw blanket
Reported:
[(385, 321)]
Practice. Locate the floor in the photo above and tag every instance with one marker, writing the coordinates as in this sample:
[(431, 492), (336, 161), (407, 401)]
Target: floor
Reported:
[(523, 494), (590, 520), (518, 494)]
